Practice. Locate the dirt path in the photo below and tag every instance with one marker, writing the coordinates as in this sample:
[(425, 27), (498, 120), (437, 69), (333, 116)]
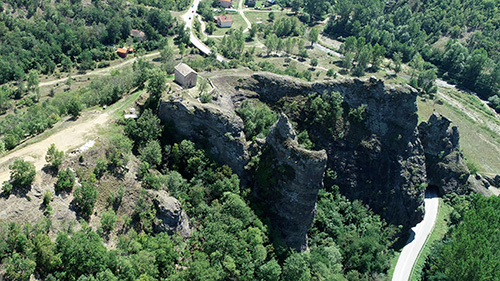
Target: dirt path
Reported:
[(471, 113), (97, 71), (69, 138), (240, 11), (29, 208)]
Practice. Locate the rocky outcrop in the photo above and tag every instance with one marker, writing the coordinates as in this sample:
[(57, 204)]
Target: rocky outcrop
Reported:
[(171, 218), (221, 129), (387, 106), (288, 179), (381, 161), (385, 160), (445, 164)]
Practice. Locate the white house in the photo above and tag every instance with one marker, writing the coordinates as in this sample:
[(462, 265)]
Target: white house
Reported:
[(185, 75), (224, 21)]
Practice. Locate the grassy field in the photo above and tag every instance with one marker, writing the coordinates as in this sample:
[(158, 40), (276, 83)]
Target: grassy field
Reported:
[(263, 16), (479, 140)]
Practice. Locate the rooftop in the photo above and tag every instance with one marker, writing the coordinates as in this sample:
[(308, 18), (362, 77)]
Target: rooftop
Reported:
[(137, 33), (121, 50), (184, 69), (224, 18)]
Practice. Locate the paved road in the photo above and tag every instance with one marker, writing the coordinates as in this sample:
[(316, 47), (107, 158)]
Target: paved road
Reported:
[(188, 19), (328, 51), (417, 238)]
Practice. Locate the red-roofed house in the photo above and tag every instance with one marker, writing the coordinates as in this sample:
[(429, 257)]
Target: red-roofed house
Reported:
[(224, 21), (138, 34), (121, 52)]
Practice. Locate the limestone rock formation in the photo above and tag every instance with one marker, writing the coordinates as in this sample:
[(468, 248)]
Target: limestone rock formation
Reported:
[(380, 162), (445, 164), (221, 129), (288, 179), (171, 218), (385, 160)]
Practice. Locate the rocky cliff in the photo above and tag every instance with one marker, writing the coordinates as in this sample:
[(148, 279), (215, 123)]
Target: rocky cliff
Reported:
[(380, 157), (288, 179), (445, 164), (381, 161), (170, 217), (221, 129)]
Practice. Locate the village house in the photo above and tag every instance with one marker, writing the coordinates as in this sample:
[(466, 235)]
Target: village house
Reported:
[(122, 52), (139, 35), (224, 21), (185, 75), (226, 3), (251, 3)]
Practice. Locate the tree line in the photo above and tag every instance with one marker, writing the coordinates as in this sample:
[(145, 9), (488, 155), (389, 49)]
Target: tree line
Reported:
[(66, 35)]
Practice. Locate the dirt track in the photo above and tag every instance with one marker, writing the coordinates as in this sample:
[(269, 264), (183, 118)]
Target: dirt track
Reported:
[(71, 137), (106, 70)]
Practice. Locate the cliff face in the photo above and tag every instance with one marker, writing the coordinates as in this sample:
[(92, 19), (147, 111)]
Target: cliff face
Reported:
[(219, 128), (288, 179), (380, 162), (445, 164), (385, 160)]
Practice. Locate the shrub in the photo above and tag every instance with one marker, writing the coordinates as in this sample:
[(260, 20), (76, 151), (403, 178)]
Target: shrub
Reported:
[(47, 198), (120, 148), (205, 97), (22, 173), (330, 72), (108, 220), (65, 181), (85, 199), (116, 198), (100, 168), (7, 188), (54, 156), (358, 114), (473, 167)]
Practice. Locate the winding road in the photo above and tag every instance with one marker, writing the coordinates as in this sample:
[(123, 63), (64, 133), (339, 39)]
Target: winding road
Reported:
[(188, 19), (418, 237)]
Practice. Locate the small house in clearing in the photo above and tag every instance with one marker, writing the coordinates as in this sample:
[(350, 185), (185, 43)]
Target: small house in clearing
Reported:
[(251, 3), (122, 52), (224, 21), (185, 75), (226, 3), (140, 35)]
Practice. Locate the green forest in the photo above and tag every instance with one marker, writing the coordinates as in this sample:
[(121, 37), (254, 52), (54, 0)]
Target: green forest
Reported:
[(232, 238), (469, 251), (47, 38)]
